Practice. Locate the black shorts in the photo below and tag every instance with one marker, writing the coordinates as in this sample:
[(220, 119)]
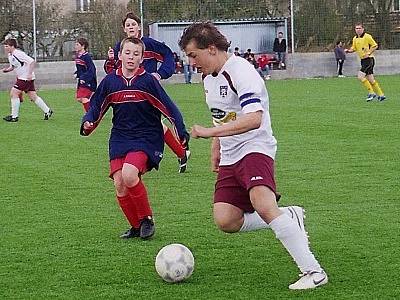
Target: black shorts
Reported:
[(367, 65)]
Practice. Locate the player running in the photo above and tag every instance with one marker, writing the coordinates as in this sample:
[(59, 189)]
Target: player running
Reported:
[(155, 53), (136, 142), (24, 66)]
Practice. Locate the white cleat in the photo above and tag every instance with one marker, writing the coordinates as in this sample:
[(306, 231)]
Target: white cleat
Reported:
[(310, 280), (297, 213)]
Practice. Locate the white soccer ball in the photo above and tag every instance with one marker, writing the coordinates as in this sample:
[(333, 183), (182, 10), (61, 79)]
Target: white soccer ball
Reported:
[(174, 263)]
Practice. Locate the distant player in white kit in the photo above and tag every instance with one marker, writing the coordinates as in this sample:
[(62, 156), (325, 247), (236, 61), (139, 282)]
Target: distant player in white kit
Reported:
[(23, 65), (243, 150)]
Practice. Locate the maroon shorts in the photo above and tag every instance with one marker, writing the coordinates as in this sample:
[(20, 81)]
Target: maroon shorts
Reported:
[(138, 159), (235, 181), (25, 85), (83, 92)]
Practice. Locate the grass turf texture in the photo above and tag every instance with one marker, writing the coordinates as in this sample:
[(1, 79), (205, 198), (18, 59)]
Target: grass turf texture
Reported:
[(338, 156)]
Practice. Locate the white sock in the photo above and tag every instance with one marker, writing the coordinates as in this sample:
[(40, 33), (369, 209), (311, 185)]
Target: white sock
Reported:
[(253, 221), (287, 231), (40, 103), (15, 103)]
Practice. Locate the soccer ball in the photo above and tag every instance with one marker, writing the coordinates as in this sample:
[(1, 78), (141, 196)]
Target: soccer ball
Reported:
[(174, 263)]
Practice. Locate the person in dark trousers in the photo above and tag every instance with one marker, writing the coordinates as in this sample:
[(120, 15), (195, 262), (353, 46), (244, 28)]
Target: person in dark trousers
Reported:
[(340, 56), (280, 50)]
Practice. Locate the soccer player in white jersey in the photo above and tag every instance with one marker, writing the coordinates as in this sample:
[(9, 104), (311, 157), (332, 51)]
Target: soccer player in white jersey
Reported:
[(23, 65), (243, 150)]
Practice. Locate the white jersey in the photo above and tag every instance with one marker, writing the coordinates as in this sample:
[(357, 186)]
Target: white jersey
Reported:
[(237, 90), (21, 61)]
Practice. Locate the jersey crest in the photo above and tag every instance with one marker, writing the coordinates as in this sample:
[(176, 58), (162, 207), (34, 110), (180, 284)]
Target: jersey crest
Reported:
[(223, 90)]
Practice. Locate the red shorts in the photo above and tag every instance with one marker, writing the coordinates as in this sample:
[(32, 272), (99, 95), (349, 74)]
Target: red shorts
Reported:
[(138, 159), (235, 181), (83, 92), (25, 85)]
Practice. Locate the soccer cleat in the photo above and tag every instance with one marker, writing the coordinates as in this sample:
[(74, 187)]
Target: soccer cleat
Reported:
[(310, 280), (381, 98), (297, 213), (130, 233), (48, 115), (370, 97), (183, 162), (147, 228), (10, 119)]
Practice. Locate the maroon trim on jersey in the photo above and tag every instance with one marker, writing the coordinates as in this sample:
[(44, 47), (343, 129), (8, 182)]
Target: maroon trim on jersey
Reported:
[(228, 78), (153, 55), (79, 61)]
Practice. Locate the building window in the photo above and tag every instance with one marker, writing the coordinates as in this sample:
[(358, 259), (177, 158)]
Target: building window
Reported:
[(83, 5)]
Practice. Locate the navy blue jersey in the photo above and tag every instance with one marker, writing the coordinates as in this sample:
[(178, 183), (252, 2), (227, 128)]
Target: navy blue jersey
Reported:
[(86, 71), (155, 53), (137, 104)]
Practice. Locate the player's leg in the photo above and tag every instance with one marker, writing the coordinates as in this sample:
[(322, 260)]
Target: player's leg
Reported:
[(83, 96), (15, 104), (233, 211), (134, 165), (176, 146), (291, 236), (40, 103), (364, 81), (376, 87), (126, 204)]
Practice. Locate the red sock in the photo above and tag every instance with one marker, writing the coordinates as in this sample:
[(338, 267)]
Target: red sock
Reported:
[(86, 106), (129, 209), (138, 194), (174, 144)]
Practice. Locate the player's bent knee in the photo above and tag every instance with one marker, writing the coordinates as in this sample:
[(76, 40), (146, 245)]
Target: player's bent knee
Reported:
[(227, 224)]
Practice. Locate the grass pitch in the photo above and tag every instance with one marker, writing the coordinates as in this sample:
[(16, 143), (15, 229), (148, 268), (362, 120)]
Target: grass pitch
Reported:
[(338, 156)]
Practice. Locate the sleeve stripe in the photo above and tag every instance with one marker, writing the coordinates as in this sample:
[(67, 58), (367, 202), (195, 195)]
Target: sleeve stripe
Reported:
[(247, 95), (250, 101)]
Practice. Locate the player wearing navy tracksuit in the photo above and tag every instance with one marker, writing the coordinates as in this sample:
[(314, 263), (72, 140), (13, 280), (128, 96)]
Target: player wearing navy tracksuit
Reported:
[(85, 73), (136, 142), (155, 53), (158, 60)]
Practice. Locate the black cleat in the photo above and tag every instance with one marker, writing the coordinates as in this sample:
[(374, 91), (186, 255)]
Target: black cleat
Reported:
[(130, 233), (48, 115), (147, 228), (183, 162), (10, 119)]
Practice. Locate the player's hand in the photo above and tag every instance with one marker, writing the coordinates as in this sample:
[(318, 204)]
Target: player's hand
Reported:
[(346, 50), (81, 81), (110, 53), (200, 132), (88, 126)]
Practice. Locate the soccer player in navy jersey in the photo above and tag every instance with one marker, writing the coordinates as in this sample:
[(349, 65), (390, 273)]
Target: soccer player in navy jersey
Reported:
[(85, 73), (243, 150), (136, 142), (158, 60)]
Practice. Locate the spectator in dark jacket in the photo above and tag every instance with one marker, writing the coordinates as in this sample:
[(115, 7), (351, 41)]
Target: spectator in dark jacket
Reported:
[(340, 56), (280, 50)]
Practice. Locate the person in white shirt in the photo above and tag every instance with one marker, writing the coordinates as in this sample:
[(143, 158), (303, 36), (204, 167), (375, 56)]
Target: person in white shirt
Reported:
[(23, 65), (243, 150)]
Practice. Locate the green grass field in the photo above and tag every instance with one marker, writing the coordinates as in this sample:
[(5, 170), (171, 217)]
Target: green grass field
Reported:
[(338, 156)]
